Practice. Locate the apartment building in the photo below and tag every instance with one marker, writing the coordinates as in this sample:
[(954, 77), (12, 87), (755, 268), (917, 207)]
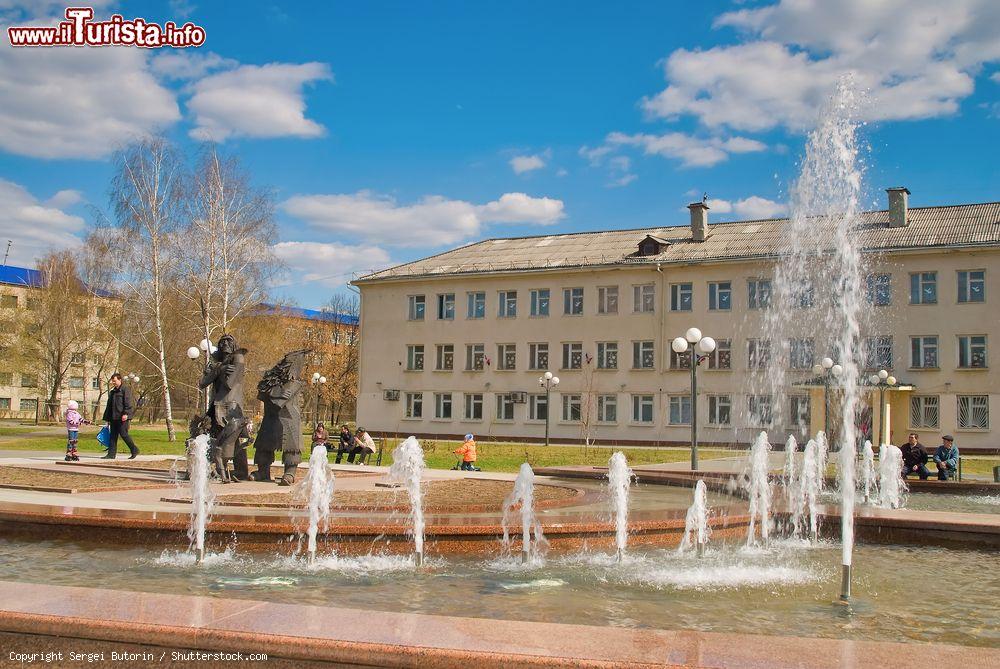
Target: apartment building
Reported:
[(457, 342)]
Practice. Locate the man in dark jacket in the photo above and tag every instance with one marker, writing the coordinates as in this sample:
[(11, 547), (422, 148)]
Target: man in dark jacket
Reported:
[(117, 415), (346, 444), (914, 458)]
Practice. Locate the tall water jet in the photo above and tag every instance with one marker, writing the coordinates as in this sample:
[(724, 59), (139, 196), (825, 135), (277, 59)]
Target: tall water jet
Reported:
[(696, 529), (523, 497), (407, 469), (319, 487), (810, 485), (202, 497), (758, 488), (822, 457), (892, 487), (619, 480), (867, 478)]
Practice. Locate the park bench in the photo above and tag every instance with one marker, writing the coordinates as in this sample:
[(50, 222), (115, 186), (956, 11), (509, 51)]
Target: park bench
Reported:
[(379, 446)]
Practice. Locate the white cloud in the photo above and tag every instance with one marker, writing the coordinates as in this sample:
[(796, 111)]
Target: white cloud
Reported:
[(995, 77), (522, 164), (186, 65), (36, 227), (431, 221), (330, 264), (256, 101), (749, 208), (691, 151), (915, 58)]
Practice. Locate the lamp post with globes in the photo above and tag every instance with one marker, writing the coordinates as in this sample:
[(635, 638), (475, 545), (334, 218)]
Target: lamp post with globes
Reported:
[(317, 380), (705, 345), (547, 381), (828, 370), (193, 353), (882, 380)]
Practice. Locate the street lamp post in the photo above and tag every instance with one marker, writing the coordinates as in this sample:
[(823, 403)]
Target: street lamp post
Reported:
[(692, 339), (193, 353), (317, 380), (547, 381), (882, 380), (828, 370)]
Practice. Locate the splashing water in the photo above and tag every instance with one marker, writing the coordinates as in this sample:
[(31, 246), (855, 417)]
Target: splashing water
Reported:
[(523, 494), (202, 497), (619, 479), (868, 475), (758, 487), (407, 470), (696, 529), (810, 485), (892, 486), (318, 491), (822, 457)]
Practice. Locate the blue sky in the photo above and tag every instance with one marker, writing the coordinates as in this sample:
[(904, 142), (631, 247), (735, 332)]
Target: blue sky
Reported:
[(392, 130)]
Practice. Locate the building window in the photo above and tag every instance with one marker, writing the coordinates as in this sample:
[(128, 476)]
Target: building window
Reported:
[(415, 310), (759, 409), (800, 353), (924, 352), (538, 407), (758, 353), (572, 355), (680, 410), (720, 409), (4, 404), (799, 411), (571, 408), (680, 360), (446, 307), (442, 405), (540, 302), (925, 412), (607, 408), (720, 296), (974, 412), (445, 357), (538, 356), (923, 288), (473, 406), (722, 356), (879, 291), (8, 301), (642, 408), (971, 352), (28, 405), (878, 352), (78, 359), (29, 381), (508, 304), (680, 296), (643, 355), (607, 299), (803, 295), (759, 293), (505, 407), (475, 354), (415, 357), (6, 379), (477, 305), (506, 356), (76, 382), (573, 301), (971, 286), (414, 405), (607, 355), (95, 383), (644, 298)]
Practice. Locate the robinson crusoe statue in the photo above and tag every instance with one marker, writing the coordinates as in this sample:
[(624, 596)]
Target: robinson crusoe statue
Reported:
[(230, 427)]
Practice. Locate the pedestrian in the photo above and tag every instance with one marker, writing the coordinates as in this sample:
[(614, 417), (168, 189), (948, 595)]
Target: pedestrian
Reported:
[(319, 437), (73, 422), (346, 444), (468, 452), (946, 458), (118, 415), (364, 446), (914, 458)]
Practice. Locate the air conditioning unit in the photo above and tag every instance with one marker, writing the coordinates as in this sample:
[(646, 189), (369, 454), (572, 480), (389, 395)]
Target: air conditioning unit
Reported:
[(518, 397), (390, 395)]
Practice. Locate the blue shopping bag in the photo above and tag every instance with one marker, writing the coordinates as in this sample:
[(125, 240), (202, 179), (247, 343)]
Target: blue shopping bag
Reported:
[(104, 436)]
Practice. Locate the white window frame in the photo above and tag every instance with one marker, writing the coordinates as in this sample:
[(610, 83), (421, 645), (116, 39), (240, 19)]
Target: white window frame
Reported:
[(414, 405), (716, 404), (443, 405), (965, 284), (571, 402), (967, 349), (540, 302), (473, 401), (644, 354), (444, 358), (921, 407), (715, 291), (607, 300), (476, 305), (474, 353), (506, 357), (966, 413), (535, 351), (920, 346), (507, 304), (604, 403), (571, 349), (641, 401), (644, 298), (676, 413), (415, 360), (573, 301), (416, 307), (446, 306), (607, 353), (678, 293)]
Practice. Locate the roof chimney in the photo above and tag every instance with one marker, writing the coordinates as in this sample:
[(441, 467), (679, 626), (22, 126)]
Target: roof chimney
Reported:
[(898, 207), (699, 221)]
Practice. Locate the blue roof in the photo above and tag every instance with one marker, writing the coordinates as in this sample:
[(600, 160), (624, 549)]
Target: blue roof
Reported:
[(311, 314), (20, 276)]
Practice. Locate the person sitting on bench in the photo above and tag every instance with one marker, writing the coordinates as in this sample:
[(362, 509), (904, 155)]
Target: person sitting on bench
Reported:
[(346, 442), (914, 458), (946, 458), (320, 436), (364, 446)]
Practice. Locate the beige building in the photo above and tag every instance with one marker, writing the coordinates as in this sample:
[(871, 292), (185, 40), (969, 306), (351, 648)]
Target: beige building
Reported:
[(457, 342)]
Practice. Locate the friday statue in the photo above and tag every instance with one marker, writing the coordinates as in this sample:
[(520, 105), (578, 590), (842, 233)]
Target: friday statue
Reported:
[(281, 426), (230, 428)]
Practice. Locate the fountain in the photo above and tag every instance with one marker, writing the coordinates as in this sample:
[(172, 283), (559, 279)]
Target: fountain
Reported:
[(810, 485), (755, 482), (696, 522), (892, 486), (318, 490), (822, 457), (868, 475), (407, 470), (202, 497), (523, 495), (619, 480)]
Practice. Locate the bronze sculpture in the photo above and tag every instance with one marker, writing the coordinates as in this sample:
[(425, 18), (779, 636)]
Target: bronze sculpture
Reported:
[(281, 426), (230, 427)]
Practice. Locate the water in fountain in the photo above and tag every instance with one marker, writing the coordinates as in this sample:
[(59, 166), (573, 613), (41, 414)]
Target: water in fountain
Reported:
[(758, 488), (696, 529), (892, 486), (619, 480), (789, 478), (810, 485), (319, 486), (407, 470), (822, 456), (202, 497), (523, 497), (868, 476)]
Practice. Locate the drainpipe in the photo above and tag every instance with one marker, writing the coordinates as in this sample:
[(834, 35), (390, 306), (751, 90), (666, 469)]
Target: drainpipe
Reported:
[(661, 344)]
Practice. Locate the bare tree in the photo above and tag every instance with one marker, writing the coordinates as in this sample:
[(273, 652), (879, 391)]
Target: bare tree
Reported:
[(342, 386)]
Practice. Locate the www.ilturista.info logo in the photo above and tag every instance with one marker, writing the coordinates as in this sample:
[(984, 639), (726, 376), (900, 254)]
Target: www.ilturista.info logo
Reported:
[(80, 30)]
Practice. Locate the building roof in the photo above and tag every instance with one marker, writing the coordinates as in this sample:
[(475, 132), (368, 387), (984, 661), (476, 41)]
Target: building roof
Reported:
[(309, 314), (961, 225), (20, 276)]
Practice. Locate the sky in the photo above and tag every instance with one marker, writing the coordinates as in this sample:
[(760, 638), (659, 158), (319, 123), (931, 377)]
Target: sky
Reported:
[(389, 131)]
